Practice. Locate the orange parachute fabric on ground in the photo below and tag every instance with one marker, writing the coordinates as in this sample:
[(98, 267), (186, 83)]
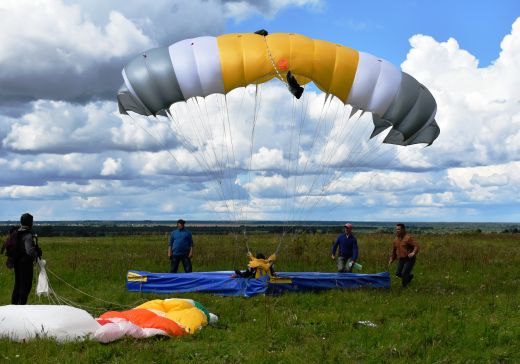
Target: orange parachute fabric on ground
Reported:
[(146, 319), (170, 317)]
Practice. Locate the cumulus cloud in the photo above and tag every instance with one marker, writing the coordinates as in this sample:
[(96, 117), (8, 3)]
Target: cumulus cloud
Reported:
[(74, 51), (111, 166), (67, 153), (478, 108), (242, 9)]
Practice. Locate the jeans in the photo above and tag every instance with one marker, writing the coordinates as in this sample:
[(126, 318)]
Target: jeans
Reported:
[(404, 270), (343, 265), (186, 263), (23, 277)]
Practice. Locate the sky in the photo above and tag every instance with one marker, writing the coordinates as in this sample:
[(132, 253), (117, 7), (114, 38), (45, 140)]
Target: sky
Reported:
[(67, 154)]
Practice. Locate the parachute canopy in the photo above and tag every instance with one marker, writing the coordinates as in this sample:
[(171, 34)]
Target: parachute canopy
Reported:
[(207, 65), (58, 322), (170, 317), (222, 283)]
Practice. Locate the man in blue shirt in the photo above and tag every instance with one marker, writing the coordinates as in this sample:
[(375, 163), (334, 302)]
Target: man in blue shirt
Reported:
[(180, 248), (348, 250)]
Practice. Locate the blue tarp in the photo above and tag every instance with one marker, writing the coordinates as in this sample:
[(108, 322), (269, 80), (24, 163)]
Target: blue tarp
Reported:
[(223, 284)]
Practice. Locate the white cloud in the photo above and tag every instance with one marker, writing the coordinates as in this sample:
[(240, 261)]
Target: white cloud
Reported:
[(243, 9), (267, 159), (76, 156), (478, 108), (111, 166)]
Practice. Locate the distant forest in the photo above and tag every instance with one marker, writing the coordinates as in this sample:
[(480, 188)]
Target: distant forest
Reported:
[(119, 228)]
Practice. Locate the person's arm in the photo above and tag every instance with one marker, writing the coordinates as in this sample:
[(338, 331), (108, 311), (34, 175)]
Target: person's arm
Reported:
[(334, 247), (393, 256), (190, 254), (30, 248), (415, 245), (354, 251), (170, 243)]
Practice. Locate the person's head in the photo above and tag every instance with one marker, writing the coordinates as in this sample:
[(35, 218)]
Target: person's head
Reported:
[(348, 228), (181, 223), (400, 229), (260, 256), (26, 220)]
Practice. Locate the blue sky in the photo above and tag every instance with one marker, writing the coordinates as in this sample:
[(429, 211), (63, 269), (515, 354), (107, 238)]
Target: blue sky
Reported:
[(384, 27), (67, 154)]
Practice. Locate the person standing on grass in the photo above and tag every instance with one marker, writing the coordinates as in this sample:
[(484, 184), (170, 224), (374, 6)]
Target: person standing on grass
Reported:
[(405, 248), (348, 250), (25, 253), (180, 248)]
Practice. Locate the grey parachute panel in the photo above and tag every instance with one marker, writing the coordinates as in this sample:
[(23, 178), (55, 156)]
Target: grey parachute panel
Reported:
[(411, 115), (153, 83)]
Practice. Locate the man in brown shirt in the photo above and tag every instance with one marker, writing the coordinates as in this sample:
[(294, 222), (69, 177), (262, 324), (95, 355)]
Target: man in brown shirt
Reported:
[(405, 248)]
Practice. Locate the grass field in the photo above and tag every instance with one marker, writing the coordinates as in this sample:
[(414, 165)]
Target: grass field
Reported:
[(462, 307)]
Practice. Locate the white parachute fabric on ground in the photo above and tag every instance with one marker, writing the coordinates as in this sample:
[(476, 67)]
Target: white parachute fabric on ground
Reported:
[(116, 330), (59, 322), (42, 288)]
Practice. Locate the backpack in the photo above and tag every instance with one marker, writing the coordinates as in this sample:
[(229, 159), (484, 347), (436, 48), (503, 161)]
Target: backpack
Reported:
[(12, 247)]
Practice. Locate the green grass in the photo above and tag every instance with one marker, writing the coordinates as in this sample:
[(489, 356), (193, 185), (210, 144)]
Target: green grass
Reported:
[(462, 307)]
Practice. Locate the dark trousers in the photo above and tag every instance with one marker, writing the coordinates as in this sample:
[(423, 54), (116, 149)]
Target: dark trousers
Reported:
[(186, 263), (404, 270), (23, 277)]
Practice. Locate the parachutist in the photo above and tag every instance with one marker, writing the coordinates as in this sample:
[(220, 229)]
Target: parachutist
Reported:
[(262, 32)]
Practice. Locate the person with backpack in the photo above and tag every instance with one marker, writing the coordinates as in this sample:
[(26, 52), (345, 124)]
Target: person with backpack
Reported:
[(22, 250)]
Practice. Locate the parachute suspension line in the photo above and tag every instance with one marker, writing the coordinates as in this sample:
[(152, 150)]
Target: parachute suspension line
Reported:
[(367, 155), (270, 56), (233, 162), (201, 160), (246, 240), (54, 298), (242, 198), (290, 210), (228, 150), (189, 145), (217, 162), (332, 142), (162, 144), (297, 120), (324, 110), (280, 241), (303, 115), (84, 293), (325, 162), (257, 104)]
